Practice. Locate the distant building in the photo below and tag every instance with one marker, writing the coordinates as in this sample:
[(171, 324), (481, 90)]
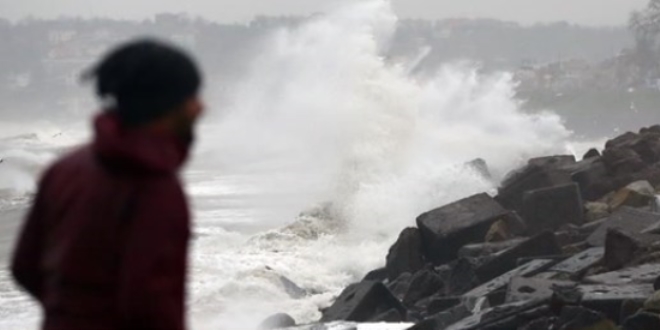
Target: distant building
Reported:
[(60, 36)]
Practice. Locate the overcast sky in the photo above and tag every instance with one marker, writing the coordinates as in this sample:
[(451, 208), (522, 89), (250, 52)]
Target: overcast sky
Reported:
[(589, 12)]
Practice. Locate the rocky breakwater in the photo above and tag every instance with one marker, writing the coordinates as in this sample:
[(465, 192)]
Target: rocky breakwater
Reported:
[(565, 244)]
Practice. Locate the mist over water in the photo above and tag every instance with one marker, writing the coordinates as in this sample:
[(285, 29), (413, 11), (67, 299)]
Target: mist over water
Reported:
[(326, 152)]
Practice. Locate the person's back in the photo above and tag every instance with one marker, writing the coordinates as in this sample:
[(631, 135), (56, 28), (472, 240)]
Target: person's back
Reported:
[(105, 243)]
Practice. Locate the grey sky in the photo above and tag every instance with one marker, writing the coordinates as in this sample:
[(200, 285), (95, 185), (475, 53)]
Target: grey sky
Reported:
[(589, 12)]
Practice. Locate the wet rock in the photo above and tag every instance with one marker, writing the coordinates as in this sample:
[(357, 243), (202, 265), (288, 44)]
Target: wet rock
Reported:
[(292, 289), (379, 275), (441, 304), (445, 230), (642, 321), (580, 318), (577, 265), (539, 173), (424, 283), (592, 153), (498, 232), (480, 167), (596, 211), (565, 296), (653, 229), (653, 303), (621, 140), (400, 286), (630, 308), (462, 277), (509, 316), (622, 161), (593, 180), (362, 302), (570, 235), (486, 249), (391, 316), (655, 129), (626, 218), (551, 208), (575, 248), (637, 194), (518, 320), (494, 289), (406, 255), (609, 298), (554, 162), (523, 289), (620, 249), (648, 148), (541, 245), (277, 321), (640, 274), (631, 249), (591, 227), (443, 319)]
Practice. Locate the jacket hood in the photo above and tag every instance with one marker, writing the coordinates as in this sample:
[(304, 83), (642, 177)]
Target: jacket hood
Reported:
[(136, 149)]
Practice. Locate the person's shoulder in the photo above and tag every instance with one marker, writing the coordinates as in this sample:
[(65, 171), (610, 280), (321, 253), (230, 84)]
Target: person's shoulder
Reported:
[(72, 161), (73, 156)]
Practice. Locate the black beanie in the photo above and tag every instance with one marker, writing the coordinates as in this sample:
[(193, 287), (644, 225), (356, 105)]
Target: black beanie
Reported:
[(145, 80)]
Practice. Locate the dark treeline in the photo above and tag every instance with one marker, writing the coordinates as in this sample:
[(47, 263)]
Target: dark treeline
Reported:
[(42, 59)]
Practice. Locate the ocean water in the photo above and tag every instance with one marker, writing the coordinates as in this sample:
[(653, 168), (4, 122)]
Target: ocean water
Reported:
[(325, 152)]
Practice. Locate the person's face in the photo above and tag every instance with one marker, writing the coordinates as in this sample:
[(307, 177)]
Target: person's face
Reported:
[(186, 119)]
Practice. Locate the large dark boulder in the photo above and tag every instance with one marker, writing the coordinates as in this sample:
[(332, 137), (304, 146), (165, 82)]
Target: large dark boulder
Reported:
[(642, 321), (593, 179), (399, 287), (423, 284), (646, 273), (592, 153), (539, 173), (621, 140), (522, 289), (445, 230), (576, 266), (609, 299), (620, 249), (379, 274), (462, 277), (620, 161), (542, 245), (627, 219), (362, 302), (494, 291), (406, 255), (551, 208), (648, 149)]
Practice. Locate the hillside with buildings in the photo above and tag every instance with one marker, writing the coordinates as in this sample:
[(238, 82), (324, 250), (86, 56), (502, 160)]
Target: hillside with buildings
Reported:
[(46, 58)]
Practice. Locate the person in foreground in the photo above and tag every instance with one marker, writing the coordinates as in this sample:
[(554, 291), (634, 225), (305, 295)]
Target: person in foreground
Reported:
[(104, 246)]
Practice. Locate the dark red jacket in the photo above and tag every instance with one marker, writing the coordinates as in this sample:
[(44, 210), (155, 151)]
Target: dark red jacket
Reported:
[(105, 245)]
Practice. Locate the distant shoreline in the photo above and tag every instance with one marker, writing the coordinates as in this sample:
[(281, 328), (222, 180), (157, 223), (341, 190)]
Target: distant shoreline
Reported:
[(598, 113)]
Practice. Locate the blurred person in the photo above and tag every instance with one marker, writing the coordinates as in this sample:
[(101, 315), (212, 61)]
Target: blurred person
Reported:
[(105, 243)]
